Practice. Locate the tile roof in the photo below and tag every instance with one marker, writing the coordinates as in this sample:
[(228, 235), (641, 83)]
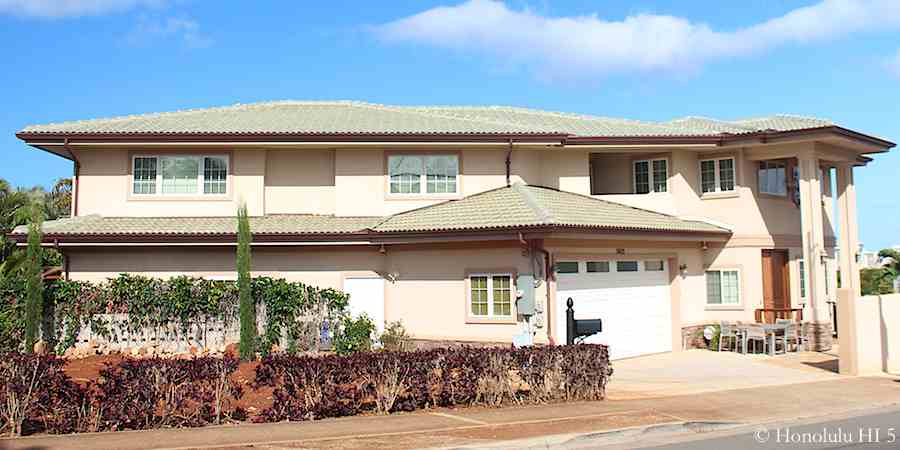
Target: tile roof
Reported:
[(507, 208), (305, 117), (271, 224), (530, 206)]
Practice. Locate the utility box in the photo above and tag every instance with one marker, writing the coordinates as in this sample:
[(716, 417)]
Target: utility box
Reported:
[(525, 303)]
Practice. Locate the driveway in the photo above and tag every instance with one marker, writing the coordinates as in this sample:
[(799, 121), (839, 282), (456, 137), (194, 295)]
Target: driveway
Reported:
[(697, 371)]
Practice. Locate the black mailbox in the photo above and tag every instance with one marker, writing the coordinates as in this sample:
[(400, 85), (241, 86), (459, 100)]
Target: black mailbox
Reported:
[(588, 327), (579, 328)]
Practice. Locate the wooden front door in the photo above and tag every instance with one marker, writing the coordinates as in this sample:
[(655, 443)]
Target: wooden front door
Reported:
[(776, 283)]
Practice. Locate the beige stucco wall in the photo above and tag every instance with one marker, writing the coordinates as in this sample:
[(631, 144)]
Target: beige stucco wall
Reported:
[(104, 186), (300, 182), (429, 294), (869, 328), (353, 182)]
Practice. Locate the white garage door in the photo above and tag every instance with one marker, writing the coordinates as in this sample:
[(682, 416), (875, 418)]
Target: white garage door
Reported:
[(630, 296)]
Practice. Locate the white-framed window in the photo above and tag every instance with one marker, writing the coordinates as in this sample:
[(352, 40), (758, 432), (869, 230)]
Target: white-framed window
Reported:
[(654, 265), (717, 175), (651, 175), (490, 295), (772, 177), (626, 266), (597, 266), (723, 287), (417, 174), (179, 175)]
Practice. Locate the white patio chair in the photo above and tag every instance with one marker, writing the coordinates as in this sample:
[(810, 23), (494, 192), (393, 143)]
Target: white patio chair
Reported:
[(755, 333), (731, 333)]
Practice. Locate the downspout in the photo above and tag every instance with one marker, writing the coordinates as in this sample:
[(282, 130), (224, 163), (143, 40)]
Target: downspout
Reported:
[(508, 161), (76, 172)]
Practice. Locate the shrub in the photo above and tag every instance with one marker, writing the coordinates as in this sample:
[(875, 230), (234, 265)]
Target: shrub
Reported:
[(354, 335), (394, 337), (878, 281), (36, 395), (152, 393), (247, 305), (307, 387), (34, 286)]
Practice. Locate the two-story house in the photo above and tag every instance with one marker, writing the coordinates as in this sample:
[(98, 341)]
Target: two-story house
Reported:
[(476, 224)]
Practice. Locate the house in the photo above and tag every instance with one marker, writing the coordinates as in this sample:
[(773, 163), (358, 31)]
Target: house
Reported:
[(476, 224)]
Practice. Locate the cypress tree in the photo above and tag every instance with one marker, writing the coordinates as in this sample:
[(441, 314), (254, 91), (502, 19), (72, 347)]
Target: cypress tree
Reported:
[(247, 305), (34, 287)]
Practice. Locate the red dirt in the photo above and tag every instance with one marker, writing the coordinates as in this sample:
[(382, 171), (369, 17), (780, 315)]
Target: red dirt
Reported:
[(254, 401)]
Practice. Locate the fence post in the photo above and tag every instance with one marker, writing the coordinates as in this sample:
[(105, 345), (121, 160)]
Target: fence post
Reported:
[(570, 322)]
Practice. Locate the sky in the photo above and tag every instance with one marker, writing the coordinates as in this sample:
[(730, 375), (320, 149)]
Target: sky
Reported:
[(647, 60)]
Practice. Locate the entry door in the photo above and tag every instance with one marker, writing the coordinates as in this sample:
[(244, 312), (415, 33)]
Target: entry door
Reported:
[(776, 281), (366, 296)]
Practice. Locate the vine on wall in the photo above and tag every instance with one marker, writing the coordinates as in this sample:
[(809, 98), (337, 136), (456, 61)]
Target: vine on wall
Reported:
[(180, 302)]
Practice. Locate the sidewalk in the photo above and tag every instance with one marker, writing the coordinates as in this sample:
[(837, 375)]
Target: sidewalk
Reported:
[(443, 428)]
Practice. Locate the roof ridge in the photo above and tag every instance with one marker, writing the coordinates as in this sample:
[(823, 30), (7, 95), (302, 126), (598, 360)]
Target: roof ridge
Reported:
[(543, 214)]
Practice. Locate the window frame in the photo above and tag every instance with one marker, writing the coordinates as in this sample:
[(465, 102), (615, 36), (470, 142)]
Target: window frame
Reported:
[(490, 300), (718, 175), (423, 176), (740, 288), (200, 175), (650, 176), (788, 174)]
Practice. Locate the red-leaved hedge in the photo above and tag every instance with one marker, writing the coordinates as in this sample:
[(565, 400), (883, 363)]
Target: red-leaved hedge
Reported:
[(312, 387), (37, 396)]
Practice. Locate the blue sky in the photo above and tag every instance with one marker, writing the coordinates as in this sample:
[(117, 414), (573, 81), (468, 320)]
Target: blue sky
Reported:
[(77, 59)]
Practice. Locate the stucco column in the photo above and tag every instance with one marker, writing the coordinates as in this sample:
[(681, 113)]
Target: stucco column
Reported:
[(849, 233), (813, 235)]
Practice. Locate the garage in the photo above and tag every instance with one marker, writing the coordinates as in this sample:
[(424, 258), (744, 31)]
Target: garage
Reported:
[(631, 296)]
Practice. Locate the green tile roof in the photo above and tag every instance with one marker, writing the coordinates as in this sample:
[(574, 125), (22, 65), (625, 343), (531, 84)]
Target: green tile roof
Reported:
[(304, 117), (523, 206), (271, 224), (506, 208)]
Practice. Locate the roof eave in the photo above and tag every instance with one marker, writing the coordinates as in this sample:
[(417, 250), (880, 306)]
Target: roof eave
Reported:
[(372, 237)]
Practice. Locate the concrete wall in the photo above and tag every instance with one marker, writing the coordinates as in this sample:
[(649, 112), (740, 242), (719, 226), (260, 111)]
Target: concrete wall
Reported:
[(869, 330)]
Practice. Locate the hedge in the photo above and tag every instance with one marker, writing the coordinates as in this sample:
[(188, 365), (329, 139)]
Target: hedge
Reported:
[(37, 396)]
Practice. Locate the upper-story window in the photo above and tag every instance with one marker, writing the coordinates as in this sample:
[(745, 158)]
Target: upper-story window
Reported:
[(428, 174), (717, 175), (773, 178), (651, 175), (180, 175)]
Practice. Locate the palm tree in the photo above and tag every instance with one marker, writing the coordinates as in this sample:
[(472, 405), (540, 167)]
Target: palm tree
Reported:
[(14, 211)]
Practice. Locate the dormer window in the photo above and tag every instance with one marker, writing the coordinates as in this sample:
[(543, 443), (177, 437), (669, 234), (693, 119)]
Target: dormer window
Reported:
[(180, 175), (418, 174)]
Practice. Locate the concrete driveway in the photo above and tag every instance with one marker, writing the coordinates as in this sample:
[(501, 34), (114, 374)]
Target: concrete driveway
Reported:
[(696, 371)]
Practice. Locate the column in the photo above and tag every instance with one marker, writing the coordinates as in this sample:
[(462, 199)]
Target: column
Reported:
[(813, 236), (848, 241)]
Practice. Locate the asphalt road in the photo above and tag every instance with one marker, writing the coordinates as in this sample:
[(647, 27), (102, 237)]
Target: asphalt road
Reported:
[(878, 430)]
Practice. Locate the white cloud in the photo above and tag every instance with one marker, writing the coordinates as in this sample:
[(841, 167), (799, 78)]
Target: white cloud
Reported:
[(172, 28), (71, 8), (588, 46)]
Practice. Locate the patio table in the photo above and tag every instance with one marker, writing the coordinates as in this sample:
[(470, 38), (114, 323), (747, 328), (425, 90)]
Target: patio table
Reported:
[(771, 329)]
